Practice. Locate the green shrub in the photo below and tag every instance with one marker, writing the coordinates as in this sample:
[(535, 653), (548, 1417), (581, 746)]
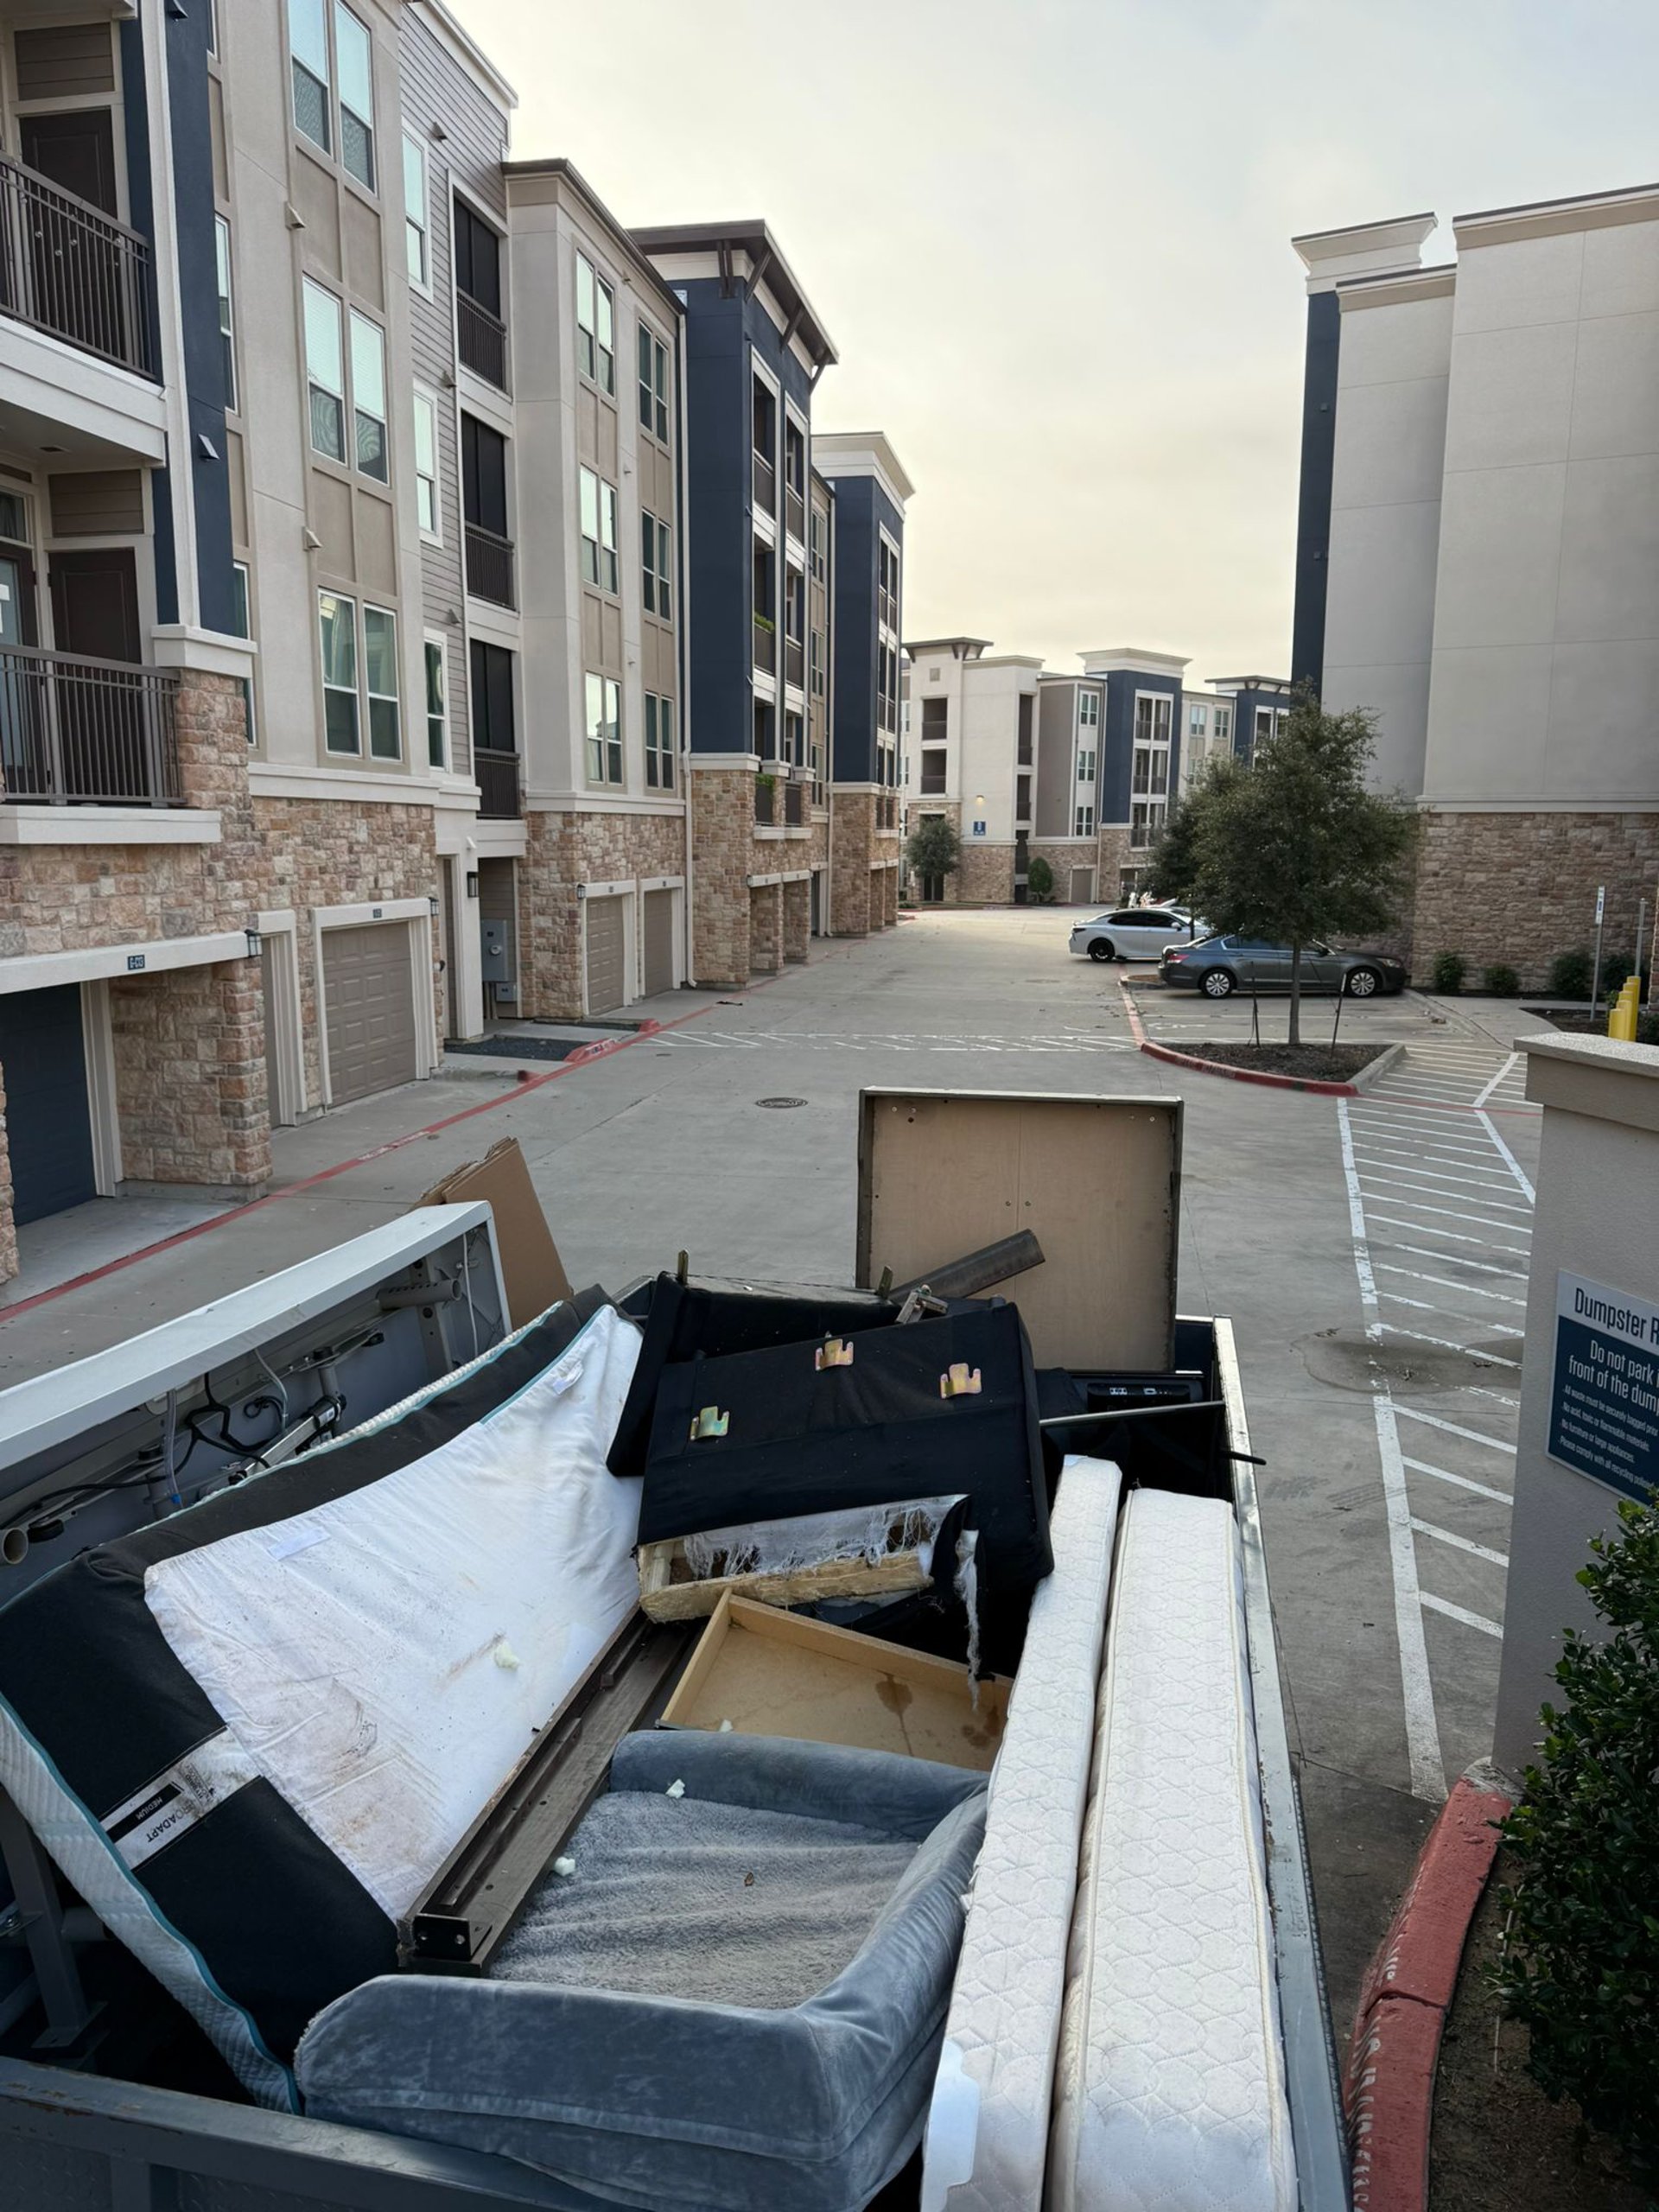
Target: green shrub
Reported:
[(1039, 880), (1500, 981), (1449, 970), (1616, 967), (1580, 1960), (1571, 975), (1647, 1026)]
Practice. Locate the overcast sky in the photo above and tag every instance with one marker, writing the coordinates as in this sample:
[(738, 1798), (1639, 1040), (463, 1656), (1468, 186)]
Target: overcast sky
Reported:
[(1050, 241)]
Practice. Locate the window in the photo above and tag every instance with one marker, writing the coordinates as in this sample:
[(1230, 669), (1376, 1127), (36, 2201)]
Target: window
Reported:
[(483, 476), (653, 384), (659, 742), (1197, 717), (1146, 820), (1086, 764), (338, 622), (226, 310), (380, 682), (369, 395), (1223, 722), (417, 221), (814, 664), (1154, 714), (657, 591), (212, 31), (307, 41), (437, 704), (1085, 822), (818, 530), (887, 585), (604, 729), (426, 465), (355, 54), (932, 772), (1088, 710), (595, 326), (598, 517), (490, 698), (325, 371), (242, 622)]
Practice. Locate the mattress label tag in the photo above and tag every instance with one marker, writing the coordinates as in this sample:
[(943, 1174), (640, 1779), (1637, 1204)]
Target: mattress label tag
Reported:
[(165, 1808), (295, 1540), (561, 1379)]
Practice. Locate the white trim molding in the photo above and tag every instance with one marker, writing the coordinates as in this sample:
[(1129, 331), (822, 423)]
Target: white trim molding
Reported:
[(613, 889), (97, 1035), (41, 971), (23, 825)]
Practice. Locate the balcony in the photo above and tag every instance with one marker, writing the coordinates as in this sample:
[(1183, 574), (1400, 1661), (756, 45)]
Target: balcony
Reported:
[(765, 484), (87, 732), (497, 775), (794, 662), (766, 644), (481, 342), (68, 269), (795, 805), (795, 514), (489, 565), (766, 788)]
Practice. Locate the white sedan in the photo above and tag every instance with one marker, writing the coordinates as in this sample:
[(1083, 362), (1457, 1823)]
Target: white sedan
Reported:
[(1135, 933)]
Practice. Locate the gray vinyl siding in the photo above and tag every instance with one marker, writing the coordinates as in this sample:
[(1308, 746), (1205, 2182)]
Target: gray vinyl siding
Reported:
[(1057, 716), (63, 61), (435, 90)]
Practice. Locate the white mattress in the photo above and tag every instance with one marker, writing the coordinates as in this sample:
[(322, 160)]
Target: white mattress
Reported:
[(1170, 2085), (987, 2126), (384, 1659)]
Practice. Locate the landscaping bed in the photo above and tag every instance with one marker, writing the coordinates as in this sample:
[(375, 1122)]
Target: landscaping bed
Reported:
[(1305, 1063), (1499, 2142)]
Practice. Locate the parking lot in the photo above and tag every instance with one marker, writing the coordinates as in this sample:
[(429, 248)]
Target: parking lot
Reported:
[(1371, 1254)]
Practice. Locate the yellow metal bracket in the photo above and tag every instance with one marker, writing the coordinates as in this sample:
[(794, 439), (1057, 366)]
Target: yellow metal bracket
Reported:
[(709, 1422), (959, 1380), (836, 1352)]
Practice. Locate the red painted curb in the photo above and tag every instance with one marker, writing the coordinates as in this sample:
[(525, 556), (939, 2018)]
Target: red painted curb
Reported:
[(1388, 2087), (1219, 1067)]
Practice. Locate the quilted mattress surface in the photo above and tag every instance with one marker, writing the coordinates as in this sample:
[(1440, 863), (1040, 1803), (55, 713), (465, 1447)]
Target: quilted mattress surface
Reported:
[(1170, 2086), (988, 2125)]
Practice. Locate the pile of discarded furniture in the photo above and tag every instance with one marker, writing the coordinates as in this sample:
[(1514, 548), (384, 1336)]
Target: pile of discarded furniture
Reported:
[(735, 1745)]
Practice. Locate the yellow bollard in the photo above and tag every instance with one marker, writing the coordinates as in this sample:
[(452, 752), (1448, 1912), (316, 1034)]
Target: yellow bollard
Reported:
[(1622, 1016)]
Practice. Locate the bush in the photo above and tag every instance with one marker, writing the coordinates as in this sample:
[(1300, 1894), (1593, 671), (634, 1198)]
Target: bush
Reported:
[(1647, 1026), (1580, 1960), (1501, 983), (1449, 970), (1615, 968), (1039, 882), (1571, 976)]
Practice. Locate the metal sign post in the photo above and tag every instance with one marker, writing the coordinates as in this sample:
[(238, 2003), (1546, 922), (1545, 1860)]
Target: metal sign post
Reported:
[(1641, 932), (1595, 980)]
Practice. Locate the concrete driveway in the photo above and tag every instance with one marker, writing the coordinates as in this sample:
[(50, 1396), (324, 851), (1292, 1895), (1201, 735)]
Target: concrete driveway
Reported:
[(1366, 1251)]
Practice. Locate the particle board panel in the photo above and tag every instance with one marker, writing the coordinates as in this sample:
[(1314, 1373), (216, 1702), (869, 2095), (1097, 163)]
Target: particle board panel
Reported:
[(1096, 1179)]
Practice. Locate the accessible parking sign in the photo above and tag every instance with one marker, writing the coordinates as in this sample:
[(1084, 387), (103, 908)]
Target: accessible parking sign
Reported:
[(1603, 1398)]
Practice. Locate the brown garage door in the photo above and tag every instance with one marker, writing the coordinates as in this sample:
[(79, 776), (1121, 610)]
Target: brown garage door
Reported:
[(659, 942), (369, 999), (605, 969), (1082, 885)]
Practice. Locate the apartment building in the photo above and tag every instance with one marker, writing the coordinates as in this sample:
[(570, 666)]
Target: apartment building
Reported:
[(970, 755), (1477, 557), (1207, 725)]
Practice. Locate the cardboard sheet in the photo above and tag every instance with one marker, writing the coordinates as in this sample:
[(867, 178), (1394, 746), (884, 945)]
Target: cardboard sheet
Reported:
[(531, 1266)]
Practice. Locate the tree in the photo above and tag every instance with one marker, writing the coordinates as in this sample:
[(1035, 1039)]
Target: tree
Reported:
[(933, 848), (1298, 848), (1039, 880), (1172, 866)]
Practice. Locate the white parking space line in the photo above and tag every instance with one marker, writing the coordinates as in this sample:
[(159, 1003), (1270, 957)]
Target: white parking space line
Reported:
[(1453, 1236), (1428, 1306), (1513, 1061), (1447, 1282), (1379, 1129), (1387, 1154), (1462, 1481), (1455, 1259), (1486, 1121), (1407, 1177), (1448, 1344), (1462, 1613), (1459, 1543), (1416, 1198), (1456, 1428)]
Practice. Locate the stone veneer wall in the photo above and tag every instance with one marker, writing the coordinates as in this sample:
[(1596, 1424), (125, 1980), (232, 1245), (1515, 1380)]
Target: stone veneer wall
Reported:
[(190, 1076), (1519, 888), (1115, 857), (797, 918), (563, 850), (985, 877), (722, 849), (852, 845), (1063, 858)]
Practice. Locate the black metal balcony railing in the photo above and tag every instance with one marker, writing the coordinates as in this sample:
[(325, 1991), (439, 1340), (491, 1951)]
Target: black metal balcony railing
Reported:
[(794, 662), (67, 268), (86, 733), (498, 785), (765, 644), (481, 342), (795, 514), (489, 565), (765, 484)]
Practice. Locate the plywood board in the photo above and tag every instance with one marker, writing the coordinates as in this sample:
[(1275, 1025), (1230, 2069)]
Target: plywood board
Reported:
[(1096, 1179), (668, 1592), (774, 1674)]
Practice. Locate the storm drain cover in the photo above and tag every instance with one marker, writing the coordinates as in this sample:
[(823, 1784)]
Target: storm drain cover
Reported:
[(780, 1101)]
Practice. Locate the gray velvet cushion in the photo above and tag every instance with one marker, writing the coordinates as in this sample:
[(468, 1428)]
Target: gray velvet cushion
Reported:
[(647, 2097)]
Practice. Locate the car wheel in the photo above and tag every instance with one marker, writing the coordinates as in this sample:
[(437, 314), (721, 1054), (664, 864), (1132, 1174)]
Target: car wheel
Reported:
[(1219, 983), (1363, 982), (1100, 948)]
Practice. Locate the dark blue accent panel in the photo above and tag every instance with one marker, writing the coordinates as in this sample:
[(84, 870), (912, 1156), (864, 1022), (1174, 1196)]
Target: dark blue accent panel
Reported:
[(136, 118), (49, 1125), (204, 359), (852, 747), (1313, 507), (1244, 706), (718, 532), (1117, 737)]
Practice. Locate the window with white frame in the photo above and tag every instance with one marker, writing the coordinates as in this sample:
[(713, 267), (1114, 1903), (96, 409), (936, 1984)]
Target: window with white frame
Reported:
[(598, 515), (427, 506), (332, 53), (437, 700), (337, 623), (380, 683), (1088, 710), (1196, 719), (1086, 764), (1084, 822), (658, 592), (355, 56), (653, 384), (603, 728), (818, 532), (359, 678), (1223, 723), (659, 742), (1146, 820), (242, 626), (417, 222), (226, 309), (595, 326), (325, 371), (307, 46), (369, 395)]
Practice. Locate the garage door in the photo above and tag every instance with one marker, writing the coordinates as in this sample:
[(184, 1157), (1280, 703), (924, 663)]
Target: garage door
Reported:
[(607, 986), (369, 1001), (659, 942), (49, 1125), (1083, 887)]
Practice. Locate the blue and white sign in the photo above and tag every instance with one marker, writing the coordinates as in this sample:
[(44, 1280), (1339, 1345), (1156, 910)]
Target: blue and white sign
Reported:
[(979, 828), (1603, 1394)]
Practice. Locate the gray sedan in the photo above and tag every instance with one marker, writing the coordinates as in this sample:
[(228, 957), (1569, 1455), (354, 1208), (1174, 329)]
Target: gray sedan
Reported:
[(1218, 966)]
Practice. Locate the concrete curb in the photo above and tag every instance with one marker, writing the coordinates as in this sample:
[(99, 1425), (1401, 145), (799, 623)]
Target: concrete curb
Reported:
[(1374, 1071), (1248, 1075), (1388, 2088)]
